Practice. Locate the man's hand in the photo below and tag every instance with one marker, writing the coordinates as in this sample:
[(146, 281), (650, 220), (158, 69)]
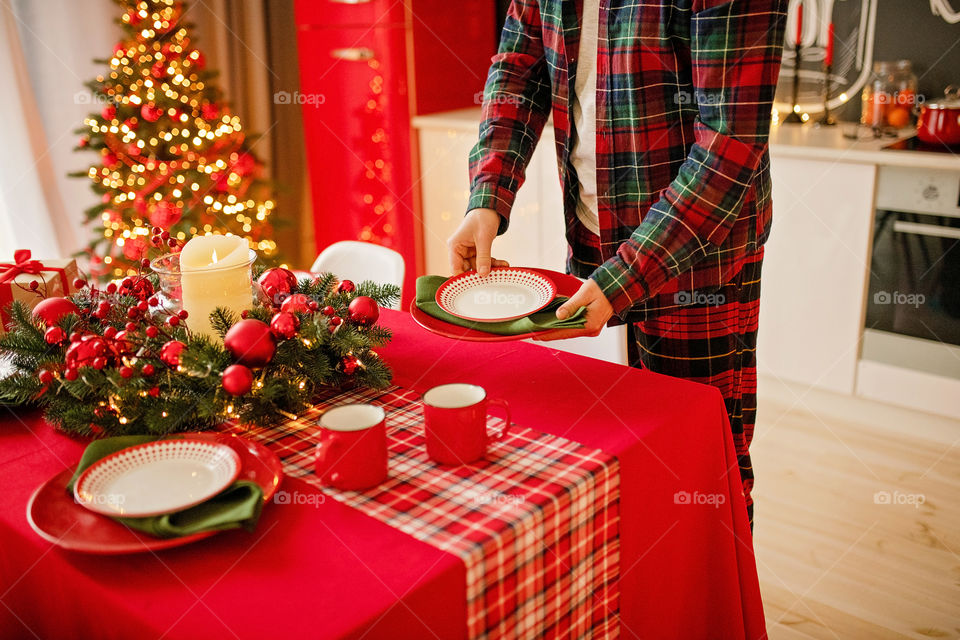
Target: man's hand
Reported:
[(470, 244), (598, 312)]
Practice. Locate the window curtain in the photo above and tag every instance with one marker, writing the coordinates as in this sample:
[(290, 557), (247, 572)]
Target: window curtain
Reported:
[(46, 55)]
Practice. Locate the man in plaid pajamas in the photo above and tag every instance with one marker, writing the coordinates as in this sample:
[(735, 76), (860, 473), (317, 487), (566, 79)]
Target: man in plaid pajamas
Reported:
[(661, 113)]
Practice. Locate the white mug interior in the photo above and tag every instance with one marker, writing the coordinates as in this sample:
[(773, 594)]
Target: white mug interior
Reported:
[(454, 396), (352, 417)]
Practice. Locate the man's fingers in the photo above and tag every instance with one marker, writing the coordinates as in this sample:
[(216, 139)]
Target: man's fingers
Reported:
[(500, 263), (577, 300)]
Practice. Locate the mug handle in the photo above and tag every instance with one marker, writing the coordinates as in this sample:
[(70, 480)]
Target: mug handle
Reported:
[(506, 420), (324, 451)]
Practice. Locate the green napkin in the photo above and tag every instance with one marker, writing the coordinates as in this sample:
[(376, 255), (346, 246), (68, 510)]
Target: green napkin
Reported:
[(239, 505), (540, 321)]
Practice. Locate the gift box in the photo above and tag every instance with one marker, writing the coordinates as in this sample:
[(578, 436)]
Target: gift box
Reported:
[(53, 278)]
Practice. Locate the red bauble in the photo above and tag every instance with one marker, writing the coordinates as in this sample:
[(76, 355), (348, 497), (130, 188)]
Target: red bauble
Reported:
[(170, 353), (158, 70), (243, 164), (45, 376), (150, 112), (54, 335), (276, 284), (135, 248), (250, 343), (209, 111), (284, 325), (237, 380), (85, 352), (298, 302), (109, 112), (346, 286), (52, 309), (364, 311), (110, 160), (165, 215), (350, 365)]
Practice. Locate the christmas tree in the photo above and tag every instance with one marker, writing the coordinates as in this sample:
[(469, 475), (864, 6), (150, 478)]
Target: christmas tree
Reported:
[(171, 156)]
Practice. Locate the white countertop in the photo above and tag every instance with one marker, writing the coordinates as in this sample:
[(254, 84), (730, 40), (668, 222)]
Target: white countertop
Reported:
[(786, 140)]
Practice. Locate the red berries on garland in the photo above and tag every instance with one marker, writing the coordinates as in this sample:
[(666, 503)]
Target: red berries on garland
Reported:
[(250, 343), (237, 380), (54, 335), (349, 364)]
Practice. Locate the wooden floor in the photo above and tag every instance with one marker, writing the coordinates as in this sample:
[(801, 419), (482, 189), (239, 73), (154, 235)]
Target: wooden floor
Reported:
[(857, 517)]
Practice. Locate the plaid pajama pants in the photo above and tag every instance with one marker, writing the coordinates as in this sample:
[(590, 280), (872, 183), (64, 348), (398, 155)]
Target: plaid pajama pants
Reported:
[(713, 340), (710, 338)]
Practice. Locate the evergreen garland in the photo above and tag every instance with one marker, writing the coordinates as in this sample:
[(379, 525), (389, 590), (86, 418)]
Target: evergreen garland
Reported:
[(137, 391)]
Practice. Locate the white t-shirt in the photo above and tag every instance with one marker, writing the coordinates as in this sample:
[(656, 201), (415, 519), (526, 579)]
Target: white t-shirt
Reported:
[(583, 156)]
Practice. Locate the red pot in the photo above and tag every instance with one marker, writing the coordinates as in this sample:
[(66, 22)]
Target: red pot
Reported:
[(939, 122)]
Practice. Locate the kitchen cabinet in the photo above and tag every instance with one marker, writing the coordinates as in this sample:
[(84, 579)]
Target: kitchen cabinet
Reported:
[(366, 68), (814, 272)]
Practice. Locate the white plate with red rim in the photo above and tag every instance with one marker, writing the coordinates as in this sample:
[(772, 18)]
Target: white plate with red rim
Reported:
[(157, 477), (507, 293)]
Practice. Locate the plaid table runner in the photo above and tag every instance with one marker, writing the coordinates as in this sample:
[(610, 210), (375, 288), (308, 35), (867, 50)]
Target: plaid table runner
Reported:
[(536, 523)]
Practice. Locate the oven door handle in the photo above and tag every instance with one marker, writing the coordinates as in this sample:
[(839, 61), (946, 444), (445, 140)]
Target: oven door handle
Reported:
[(926, 229)]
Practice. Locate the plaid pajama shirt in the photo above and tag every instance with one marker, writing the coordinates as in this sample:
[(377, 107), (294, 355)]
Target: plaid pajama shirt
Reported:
[(684, 95)]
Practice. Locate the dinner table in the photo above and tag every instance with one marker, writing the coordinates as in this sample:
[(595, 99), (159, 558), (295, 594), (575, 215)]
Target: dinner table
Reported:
[(677, 556)]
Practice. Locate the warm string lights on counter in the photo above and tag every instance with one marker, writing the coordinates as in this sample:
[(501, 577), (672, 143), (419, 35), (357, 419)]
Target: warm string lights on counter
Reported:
[(170, 154)]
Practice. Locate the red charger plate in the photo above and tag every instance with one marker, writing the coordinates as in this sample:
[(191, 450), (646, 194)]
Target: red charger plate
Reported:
[(54, 515), (567, 285)]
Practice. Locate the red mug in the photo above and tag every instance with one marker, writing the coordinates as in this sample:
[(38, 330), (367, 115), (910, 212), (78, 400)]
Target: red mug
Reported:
[(455, 421), (352, 452)]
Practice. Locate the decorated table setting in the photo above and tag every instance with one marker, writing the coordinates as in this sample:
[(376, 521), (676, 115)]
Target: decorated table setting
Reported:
[(209, 448)]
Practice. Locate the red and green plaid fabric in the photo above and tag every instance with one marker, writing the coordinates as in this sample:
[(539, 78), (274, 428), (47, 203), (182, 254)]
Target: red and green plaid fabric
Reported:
[(536, 523), (684, 96)]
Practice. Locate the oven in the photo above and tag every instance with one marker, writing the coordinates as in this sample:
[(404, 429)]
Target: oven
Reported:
[(913, 301)]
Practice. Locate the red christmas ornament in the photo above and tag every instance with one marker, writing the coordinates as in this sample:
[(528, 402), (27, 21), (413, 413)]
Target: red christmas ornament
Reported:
[(284, 325), (170, 353), (52, 309), (250, 343), (243, 163), (350, 364), (84, 141), (150, 112), (86, 352), (198, 59), (298, 302), (154, 392), (209, 111), (364, 311), (276, 284), (126, 372), (165, 215), (148, 369), (135, 248), (133, 149), (237, 380), (158, 70), (109, 112), (71, 374), (45, 376), (54, 335), (328, 311), (110, 160), (346, 286)]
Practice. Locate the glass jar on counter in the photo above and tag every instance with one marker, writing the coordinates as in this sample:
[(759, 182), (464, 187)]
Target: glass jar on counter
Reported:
[(890, 95)]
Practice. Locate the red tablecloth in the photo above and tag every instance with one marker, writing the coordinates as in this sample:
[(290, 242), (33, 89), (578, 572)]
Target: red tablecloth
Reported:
[(327, 570)]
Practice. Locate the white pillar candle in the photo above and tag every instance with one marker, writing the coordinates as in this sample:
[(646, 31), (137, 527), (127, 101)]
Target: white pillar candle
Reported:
[(214, 272)]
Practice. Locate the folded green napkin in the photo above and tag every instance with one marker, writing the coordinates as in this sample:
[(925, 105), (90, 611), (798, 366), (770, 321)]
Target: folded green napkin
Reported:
[(239, 505), (542, 320)]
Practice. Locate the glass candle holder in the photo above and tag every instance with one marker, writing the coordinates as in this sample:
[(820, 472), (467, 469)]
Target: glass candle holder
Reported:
[(167, 268), (199, 291)]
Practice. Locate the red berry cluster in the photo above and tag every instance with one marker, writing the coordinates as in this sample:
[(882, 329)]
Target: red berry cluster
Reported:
[(162, 237)]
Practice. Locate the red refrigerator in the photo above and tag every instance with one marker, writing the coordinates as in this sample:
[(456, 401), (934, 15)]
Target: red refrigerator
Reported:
[(366, 68)]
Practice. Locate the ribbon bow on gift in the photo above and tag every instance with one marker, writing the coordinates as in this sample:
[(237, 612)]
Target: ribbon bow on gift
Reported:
[(21, 264)]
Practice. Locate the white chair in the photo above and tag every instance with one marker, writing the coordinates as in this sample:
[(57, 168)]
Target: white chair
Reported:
[(359, 261)]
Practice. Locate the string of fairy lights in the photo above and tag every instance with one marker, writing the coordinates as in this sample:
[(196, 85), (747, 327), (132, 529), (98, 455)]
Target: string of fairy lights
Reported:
[(192, 158)]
